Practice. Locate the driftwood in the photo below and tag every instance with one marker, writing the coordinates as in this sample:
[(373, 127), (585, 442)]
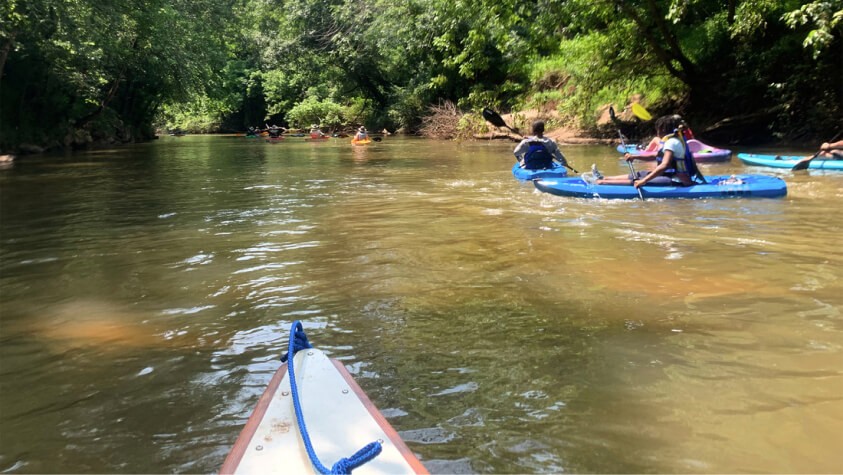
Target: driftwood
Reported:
[(497, 136), (560, 141), (442, 122)]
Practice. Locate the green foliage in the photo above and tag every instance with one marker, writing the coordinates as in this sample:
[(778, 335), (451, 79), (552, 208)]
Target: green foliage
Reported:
[(209, 64), (75, 61), (200, 115), (313, 111), (579, 82), (825, 17)]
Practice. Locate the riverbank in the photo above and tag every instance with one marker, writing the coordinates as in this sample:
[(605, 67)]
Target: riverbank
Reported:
[(601, 134)]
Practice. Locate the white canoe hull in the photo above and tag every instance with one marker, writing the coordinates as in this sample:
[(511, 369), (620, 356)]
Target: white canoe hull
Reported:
[(339, 417)]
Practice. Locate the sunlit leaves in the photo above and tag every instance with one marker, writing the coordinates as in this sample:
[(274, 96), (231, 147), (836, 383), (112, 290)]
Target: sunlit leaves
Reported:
[(825, 18)]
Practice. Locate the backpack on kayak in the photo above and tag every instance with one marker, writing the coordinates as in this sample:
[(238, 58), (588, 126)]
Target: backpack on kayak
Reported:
[(537, 156)]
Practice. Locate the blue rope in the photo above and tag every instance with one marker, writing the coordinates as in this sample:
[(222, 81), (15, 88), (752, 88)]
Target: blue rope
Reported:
[(298, 341)]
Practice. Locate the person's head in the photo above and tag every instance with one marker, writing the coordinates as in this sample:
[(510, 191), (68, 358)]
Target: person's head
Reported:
[(362, 129), (538, 127), (667, 124)]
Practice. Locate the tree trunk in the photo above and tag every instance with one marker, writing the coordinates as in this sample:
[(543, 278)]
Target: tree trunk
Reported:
[(664, 46), (4, 53)]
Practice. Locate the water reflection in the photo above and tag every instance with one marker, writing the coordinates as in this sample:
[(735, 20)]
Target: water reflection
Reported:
[(148, 296)]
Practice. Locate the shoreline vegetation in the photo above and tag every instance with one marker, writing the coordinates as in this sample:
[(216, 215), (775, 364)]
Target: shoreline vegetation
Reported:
[(84, 74)]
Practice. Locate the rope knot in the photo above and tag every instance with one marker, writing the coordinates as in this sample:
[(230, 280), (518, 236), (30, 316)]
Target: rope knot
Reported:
[(344, 466)]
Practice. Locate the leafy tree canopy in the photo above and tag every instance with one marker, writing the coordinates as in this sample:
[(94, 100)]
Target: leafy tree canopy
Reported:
[(73, 71)]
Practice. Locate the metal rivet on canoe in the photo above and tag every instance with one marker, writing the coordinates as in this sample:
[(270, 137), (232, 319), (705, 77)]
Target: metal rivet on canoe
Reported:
[(345, 391), (309, 353), (259, 447), (285, 393)]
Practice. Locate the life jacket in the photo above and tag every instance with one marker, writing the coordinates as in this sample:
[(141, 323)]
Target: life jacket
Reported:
[(685, 163), (537, 156)]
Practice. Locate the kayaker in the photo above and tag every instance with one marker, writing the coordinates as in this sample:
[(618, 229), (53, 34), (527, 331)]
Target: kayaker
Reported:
[(315, 132), (275, 131), (361, 134), (674, 166), (537, 152)]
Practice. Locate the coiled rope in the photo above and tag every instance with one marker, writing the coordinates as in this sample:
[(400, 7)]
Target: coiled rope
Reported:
[(298, 341)]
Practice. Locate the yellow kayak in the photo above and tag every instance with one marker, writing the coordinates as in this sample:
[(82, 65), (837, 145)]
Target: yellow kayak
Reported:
[(360, 142)]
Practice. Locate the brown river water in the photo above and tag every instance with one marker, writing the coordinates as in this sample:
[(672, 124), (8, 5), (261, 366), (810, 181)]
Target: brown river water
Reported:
[(146, 294)]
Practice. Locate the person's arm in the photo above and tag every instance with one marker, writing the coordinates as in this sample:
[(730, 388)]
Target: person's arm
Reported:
[(832, 146), (664, 165), (557, 154), (520, 150)]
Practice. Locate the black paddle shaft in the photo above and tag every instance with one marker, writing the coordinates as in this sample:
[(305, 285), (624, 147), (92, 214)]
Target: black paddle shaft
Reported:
[(804, 164), (633, 174)]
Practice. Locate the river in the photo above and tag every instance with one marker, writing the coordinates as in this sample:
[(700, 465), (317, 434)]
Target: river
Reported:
[(146, 293)]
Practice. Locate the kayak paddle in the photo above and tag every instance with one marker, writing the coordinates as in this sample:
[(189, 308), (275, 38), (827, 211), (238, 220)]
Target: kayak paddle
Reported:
[(495, 119), (804, 164), (623, 142)]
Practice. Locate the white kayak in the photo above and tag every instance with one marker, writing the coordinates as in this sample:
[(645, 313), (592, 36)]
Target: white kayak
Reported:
[(339, 417)]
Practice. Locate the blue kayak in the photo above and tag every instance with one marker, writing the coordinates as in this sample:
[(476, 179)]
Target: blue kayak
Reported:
[(524, 174), (788, 161), (721, 186)]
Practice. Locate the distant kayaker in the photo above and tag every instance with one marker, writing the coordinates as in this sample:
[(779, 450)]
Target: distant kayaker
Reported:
[(537, 152), (361, 134), (275, 131), (315, 132), (675, 165)]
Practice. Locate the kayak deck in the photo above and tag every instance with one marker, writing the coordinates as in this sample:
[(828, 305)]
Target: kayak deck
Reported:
[(524, 174), (340, 420)]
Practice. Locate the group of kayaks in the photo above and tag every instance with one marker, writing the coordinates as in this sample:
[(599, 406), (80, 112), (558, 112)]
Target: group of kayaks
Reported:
[(557, 182), (309, 138)]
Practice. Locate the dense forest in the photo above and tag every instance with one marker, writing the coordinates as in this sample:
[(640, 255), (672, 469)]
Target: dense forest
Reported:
[(77, 72)]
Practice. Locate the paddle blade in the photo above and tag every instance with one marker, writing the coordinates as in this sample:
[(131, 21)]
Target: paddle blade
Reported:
[(612, 113), (640, 111), (494, 118), (803, 164)]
